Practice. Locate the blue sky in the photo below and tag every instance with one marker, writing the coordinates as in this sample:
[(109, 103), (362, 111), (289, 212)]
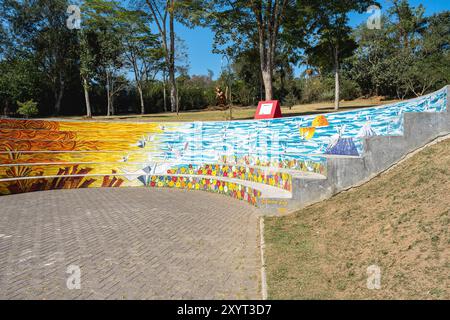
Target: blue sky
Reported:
[(199, 40)]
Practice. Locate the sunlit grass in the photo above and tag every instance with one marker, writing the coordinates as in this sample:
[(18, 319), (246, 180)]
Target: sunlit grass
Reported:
[(398, 221), (242, 113)]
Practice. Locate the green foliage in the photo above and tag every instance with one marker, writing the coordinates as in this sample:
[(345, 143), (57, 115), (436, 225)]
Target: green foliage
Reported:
[(319, 89), (154, 97), (245, 78), (19, 79), (316, 89), (192, 98), (196, 92), (350, 90), (332, 41), (290, 100), (38, 31), (105, 30), (116, 54), (28, 108), (408, 57), (244, 94)]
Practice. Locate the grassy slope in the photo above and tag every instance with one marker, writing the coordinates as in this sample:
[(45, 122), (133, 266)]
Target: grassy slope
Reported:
[(398, 221), (240, 113)]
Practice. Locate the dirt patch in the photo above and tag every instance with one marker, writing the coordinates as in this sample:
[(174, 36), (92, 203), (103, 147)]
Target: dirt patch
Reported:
[(398, 221)]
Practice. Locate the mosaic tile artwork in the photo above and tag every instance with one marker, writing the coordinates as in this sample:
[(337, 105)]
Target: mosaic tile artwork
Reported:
[(43, 155)]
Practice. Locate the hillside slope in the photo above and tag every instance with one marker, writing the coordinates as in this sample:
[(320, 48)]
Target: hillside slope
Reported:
[(399, 221)]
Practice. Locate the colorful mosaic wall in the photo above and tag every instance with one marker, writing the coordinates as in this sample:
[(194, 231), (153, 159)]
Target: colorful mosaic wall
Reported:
[(65, 180), (131, 172), (43, 155)]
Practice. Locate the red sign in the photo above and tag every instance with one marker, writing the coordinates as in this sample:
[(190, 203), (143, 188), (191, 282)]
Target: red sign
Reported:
[(268, 110)]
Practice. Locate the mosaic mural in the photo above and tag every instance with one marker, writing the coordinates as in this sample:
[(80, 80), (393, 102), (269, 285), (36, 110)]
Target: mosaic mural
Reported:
[(214, 156)]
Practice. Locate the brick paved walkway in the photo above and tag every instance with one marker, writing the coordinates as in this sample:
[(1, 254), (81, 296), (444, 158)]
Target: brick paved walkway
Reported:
[(130, 244)]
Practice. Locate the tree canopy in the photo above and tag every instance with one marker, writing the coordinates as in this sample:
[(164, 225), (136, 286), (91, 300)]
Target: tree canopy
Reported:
[(128, 57)]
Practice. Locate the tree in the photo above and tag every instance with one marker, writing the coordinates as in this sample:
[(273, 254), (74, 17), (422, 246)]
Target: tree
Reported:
[(56, 48), (284, 71), (248, 71), (247, 24), (19, 80), (334, 45), (269, 17), (101, 20), (370, 59), (333, 42), (3, 40), (409, 21), (430, 52), (39, 28), (163, 14), (28, 108), (142, 48), (408, 56), (87, 65)]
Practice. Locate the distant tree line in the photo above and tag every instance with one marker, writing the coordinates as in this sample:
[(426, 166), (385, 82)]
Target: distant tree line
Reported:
[(126, 56)]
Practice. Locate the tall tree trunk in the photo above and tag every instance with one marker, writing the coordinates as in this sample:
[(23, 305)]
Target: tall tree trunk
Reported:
[(6, 109), (173, 94), (165, 92), (261, 85), (108, 95), (86, 98), (173, 91), (137, 78), (59, 95), (108, 112), (113, 111), (141, 97), (268, 82), (172, 70), (112, 93), (282, 82), (266, 54), (337, 80), (269, 23), (168, 43)]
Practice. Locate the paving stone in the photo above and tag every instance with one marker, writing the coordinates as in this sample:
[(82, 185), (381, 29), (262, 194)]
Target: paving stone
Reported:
[(132, 243)]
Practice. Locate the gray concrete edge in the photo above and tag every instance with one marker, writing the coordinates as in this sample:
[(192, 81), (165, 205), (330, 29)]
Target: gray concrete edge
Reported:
[(380, 154)]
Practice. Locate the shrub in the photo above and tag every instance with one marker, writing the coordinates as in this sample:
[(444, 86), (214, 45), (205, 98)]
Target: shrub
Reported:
[(290, 100), (28, 108), (243, 94), (350, 90), (316, 89), (322, 89), (192, 98)]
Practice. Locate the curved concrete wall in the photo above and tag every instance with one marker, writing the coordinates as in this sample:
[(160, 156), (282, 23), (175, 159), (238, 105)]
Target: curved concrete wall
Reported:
[(234, 158)]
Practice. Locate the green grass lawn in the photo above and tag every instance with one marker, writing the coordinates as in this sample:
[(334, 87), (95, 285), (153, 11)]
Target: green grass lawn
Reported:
[(398, 221), (242, 113)]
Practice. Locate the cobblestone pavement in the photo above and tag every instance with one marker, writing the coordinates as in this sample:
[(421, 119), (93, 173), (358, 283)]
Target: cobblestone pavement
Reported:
[(129, 244)]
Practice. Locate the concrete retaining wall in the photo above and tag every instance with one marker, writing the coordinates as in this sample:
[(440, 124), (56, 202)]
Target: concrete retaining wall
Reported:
[(380, 153)]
